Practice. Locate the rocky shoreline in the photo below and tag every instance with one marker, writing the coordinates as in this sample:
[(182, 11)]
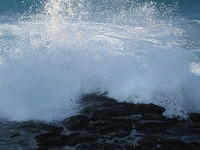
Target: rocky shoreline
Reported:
[(105, 124)]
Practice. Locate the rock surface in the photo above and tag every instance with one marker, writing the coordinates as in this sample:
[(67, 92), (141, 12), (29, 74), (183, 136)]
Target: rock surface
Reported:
[(105, 124)]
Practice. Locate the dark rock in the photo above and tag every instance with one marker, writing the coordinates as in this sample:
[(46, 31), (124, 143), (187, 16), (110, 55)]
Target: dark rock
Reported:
[(142, 147), (150, 140), (105, 124), (50, 140), (195, 117), (184, 128), (164, 142), (16, 135), (76, 122), (123, 109), (53, 140), (133, 118), (102, 107), (96, 100), (194, 130), (176, 145), (174, 121), (148, 108), (34, 126), (105, 112), (116, 127), (75, 139), (100, 146), (152, 125), (146, 143), (153, 116), (45, 136)]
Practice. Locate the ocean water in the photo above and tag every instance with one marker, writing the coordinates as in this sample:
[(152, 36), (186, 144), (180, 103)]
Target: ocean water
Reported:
[(54, 51)]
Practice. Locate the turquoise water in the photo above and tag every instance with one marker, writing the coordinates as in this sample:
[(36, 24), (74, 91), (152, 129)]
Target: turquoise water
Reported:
[(52, 52)]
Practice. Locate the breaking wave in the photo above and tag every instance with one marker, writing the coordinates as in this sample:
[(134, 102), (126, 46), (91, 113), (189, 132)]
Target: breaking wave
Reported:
[(135, 51)]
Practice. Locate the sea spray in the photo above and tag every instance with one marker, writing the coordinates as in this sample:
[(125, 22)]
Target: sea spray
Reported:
[(133, 51)]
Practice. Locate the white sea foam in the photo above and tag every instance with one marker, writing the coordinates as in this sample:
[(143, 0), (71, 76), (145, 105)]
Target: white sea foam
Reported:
[(54, 57), (197, 21), (195, 68)]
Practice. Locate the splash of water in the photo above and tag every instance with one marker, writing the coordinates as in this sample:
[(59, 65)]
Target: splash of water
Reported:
[(131, 50)]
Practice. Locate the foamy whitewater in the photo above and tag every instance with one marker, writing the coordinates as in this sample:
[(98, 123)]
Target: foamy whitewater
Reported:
[(55, 51)]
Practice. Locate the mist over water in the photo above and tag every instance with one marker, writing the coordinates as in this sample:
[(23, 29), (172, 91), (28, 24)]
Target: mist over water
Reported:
[(58, 50)]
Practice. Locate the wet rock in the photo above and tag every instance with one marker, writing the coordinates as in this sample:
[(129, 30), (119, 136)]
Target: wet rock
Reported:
[(153, 116), (195, 130), (101, 107), (160, 142), (35, 127), (133, 118), (74, 139), (174, 120), (195, 117), (176, 145), (152, 125), (105, 124), (15, 135), (76, 122), (50, 140), (163, 141), (106, 112), (123, 109), (100, 146), (148, 108), (184, 128), (114, 126), (142, 147), (42, 137), (53, 140), (96, 100), (146, 142), (64, 148)]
